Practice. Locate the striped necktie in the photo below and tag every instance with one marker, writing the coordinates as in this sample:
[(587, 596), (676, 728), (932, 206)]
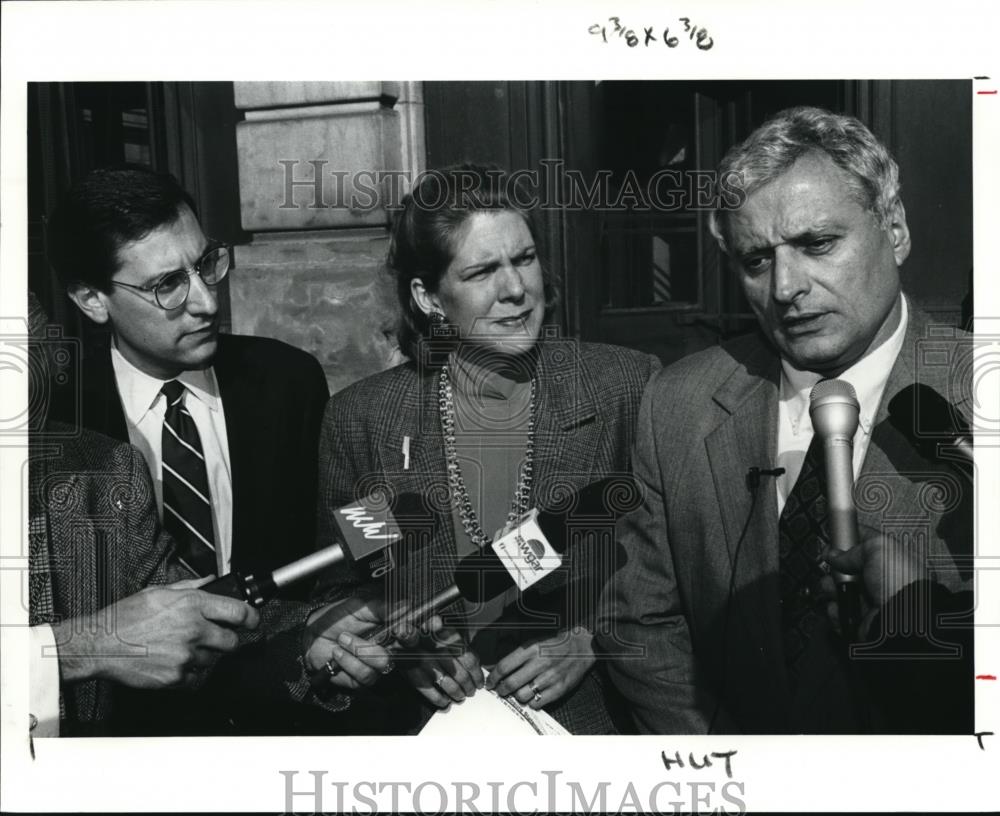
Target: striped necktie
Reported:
[(187, 503)]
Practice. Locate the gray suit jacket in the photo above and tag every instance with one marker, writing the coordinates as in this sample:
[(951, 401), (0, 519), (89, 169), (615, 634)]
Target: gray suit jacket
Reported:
[(678, 643), (588, 399)]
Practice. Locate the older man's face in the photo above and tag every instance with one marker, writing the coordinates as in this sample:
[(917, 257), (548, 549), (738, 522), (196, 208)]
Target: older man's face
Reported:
[(819, 272)]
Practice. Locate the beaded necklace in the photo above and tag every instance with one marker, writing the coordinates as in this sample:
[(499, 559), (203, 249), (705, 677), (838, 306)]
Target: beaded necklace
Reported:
[(459, 492)]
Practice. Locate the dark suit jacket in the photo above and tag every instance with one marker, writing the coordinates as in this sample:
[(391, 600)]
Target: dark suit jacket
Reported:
[(703, 423), (94, 539), (587, 402), (273, 396)]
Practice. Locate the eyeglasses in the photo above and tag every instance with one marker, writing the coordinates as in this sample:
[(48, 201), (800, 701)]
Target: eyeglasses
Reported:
[(171, 291)]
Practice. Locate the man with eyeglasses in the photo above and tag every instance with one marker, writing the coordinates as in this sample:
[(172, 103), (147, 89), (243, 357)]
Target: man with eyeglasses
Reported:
[(228, 425)]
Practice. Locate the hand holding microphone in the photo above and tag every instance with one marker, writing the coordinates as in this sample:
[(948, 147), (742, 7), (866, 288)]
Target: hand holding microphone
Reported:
[(341, 639), (884, 566)]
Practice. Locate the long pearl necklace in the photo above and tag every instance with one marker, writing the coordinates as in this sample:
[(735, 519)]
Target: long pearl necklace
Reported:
[(459, 492)]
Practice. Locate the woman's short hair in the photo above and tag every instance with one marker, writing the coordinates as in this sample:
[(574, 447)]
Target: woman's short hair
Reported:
[(107, 209), (772, 149), (424, 234)]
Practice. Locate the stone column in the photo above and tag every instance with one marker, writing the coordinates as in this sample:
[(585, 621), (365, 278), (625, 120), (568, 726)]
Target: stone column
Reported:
[(320, 165)]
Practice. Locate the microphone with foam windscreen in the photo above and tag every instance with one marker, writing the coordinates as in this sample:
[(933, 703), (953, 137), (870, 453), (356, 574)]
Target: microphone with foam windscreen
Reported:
[(532, 549), (524, 555), (373, 540), (834, 409), (932, 425)]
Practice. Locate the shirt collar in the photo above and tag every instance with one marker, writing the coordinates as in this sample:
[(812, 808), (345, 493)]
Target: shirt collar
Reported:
[(139, 391), (868, 376)]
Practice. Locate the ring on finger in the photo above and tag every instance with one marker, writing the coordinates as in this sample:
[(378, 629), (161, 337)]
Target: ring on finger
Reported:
[(438, 677), (331, 668)]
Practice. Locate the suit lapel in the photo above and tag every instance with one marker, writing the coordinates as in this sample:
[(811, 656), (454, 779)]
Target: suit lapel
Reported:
[(239, 391), (745, 439), (419, 419), (889, 450), (566, 421)]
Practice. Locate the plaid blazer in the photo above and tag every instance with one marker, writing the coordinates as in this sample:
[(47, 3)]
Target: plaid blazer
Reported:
[(587, 403), (94, 538)]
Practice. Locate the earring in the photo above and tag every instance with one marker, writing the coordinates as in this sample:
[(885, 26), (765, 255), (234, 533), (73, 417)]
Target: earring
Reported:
[(436, 319)]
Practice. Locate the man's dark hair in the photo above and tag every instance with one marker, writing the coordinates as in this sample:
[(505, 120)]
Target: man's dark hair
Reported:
[(108, 208)]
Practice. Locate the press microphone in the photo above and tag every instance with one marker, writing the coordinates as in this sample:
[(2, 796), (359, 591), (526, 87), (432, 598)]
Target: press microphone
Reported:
[(372, 540), (529, 551), (932, 424), (522, 555), (834, 409), (532, 548), (385, 634)]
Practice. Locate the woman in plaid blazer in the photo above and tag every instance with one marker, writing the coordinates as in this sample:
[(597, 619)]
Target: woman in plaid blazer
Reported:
[(493, 413)]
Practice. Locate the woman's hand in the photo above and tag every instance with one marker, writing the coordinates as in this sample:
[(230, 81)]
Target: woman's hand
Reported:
[(336, 631), (442, 667), (540, 673)]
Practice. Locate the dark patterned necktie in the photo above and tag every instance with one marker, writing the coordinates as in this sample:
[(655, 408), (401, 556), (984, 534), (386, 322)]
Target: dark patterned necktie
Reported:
[(187, 503), (803, 535)]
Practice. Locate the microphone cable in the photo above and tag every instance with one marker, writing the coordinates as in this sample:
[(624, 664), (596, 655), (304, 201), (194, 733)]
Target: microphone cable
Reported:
[(753, 478)]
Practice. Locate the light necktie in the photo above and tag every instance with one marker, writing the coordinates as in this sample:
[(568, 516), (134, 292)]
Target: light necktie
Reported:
[(187, 502)]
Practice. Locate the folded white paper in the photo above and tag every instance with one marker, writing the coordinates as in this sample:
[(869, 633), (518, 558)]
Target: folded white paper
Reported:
[(486, 713)]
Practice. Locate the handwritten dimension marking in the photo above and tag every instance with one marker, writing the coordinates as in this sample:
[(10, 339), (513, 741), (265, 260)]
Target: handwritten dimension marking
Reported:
[(652, 34)]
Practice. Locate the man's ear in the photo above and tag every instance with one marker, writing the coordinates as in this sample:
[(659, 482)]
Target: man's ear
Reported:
[(899, 232), (90, 301), (426, 301)]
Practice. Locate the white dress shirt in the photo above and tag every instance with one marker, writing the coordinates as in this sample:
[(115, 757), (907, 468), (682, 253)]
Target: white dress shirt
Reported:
[(868, 376), (145, 407)]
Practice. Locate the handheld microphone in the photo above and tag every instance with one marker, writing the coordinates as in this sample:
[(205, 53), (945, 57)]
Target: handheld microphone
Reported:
[(372, 541), (525, 554), (932, 424), (533, 547), (834, 409), (383, 635)]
